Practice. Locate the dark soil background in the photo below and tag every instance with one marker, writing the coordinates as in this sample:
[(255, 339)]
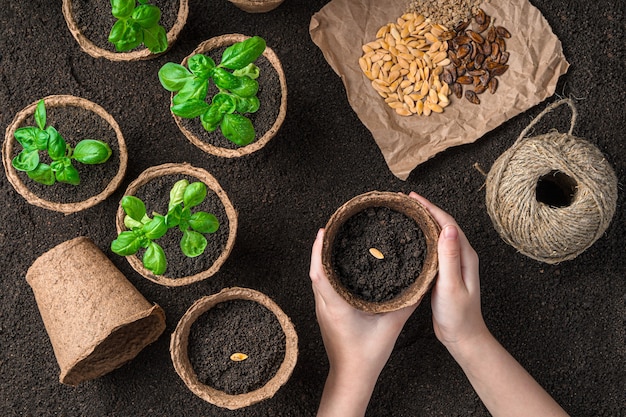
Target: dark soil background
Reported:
[(564, 323)]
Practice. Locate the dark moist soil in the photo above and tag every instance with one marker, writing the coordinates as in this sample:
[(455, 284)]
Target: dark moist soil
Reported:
[(155, 194), (75, 124), (236, 326), (94, 19), (401, 242), (269, 96)]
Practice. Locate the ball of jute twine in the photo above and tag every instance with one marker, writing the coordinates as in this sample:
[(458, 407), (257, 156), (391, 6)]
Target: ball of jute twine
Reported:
[(542, 231)]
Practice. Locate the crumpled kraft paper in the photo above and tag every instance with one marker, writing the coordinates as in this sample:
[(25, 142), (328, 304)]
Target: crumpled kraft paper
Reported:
[(536, 62)]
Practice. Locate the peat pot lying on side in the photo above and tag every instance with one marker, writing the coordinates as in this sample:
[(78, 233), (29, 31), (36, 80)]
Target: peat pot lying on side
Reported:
[(380, 251)]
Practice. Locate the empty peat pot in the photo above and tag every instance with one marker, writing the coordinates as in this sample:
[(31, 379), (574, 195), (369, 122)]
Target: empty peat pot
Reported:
[(237, 341), (95, 318), (380, 251)]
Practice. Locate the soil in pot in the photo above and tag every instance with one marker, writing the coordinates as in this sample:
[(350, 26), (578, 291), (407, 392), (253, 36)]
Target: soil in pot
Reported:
[(155, 194), (269, 95), (397, 237), (75, 124), (94, 19), (236, 326)]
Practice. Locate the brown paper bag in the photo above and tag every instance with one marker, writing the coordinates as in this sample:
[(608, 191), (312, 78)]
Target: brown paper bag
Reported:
[(341, 28), (95, 318)]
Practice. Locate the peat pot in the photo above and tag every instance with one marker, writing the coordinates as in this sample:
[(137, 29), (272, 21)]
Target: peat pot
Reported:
[(256, 6), (380, 251), (75, 119), (96, 320), (152, 187), (96, 44), (236, 333), (266, 121)]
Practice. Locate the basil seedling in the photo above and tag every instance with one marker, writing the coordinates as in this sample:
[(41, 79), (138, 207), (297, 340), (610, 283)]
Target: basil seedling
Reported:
[(41, 138), (144, 230), (137, 24), (236, 94)]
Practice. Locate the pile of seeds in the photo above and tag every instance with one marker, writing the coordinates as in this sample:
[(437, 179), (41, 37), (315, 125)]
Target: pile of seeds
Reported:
[(405, 63), (478, 56), (446, 12)]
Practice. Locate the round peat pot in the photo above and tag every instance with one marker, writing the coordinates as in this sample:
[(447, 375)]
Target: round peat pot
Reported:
[(153, 188), (75, 119), (267, 120), (96, 320), (256, 6), (98, 48), (380, 251), (179, 349)]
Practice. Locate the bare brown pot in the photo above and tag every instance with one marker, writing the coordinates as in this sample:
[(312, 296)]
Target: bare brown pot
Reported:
[(211, 183), (257, 6), (95, 318), (180, 357), (227, 40), (400, 203), (97, 52), (20, 187)]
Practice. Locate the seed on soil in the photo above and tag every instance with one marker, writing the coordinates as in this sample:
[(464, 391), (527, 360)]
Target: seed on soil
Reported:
[(238, 357), (376, 253)]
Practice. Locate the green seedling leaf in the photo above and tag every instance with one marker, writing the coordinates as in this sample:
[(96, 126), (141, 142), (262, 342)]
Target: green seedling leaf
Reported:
[(154, 259), (28, 137), (250, 70), (174, 216), (122, 9), (91, 151), (173, 76), (203, 222), (190, 109), (131, 38), (42, 174), (224, 79), (238, 129), (117, 31), (176, 193), (134, 207), (195, 89), (146, 15), (155, 39), (247, 87), (193, 243), (57, 148), (155, 228), (131, 223), (26, 160), (201, 66), (195, 193), (248, 104), (211, 118), (67, 174), (126, 244), (40, 115), (240, 54), (226, 103)]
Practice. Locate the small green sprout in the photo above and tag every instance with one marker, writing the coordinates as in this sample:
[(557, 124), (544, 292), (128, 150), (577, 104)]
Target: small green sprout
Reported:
[(237, 89), (41, 138), (144, 230), (137, 24)]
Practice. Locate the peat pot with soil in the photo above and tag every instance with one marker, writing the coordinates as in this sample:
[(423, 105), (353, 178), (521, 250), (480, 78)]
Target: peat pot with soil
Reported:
[(380, 251), (125, 30), (229, 96), (64, 153), (257, 6), (235, 348), (175, 225)]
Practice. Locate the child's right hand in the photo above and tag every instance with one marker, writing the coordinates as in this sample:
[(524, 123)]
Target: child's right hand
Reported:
[(457, 317)]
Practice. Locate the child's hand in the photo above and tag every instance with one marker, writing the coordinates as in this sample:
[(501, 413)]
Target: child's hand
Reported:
[(455, 301)]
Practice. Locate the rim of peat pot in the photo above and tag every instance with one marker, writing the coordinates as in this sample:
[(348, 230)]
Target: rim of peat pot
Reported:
[(62, 101), (410, 208), (95, 51), (182, 364), (226, 40), (202, 175), (257, 6)]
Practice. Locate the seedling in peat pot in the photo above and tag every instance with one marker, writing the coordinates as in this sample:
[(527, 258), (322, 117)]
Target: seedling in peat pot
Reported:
[(145, 230), (236, 95), (41, 138), (137, 24)]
